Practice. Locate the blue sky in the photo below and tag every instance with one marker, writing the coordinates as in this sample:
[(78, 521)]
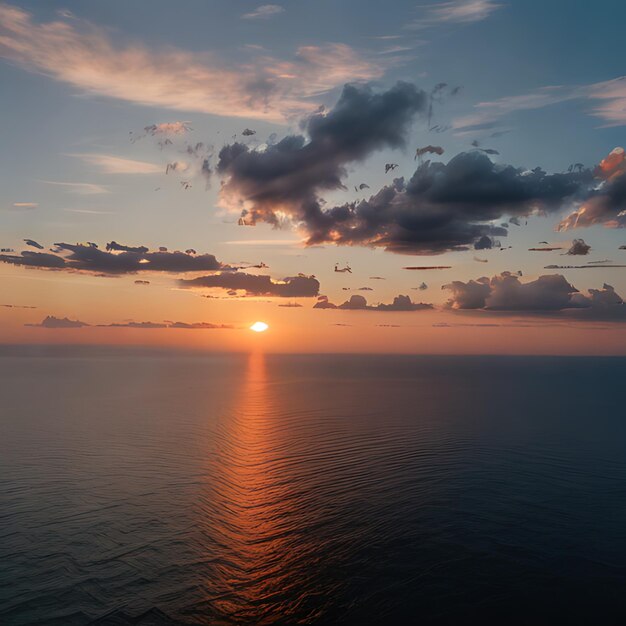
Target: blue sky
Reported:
[(536, 82)]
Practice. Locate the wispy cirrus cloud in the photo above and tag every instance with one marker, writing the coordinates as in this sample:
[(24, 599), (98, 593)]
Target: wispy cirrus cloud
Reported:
[(610, 101), (83, 189), (607, 99), (20, 206), (455, 12), (84, 56), (109, 164), (263, 12)]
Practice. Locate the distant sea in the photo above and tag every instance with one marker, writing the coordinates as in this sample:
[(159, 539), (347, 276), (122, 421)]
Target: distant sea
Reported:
[(172, 489)]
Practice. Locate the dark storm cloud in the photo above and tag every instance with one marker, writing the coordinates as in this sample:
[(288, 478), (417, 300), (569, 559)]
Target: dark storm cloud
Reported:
[(547, 294), (255, 285), (442, 207), (446, 206), (359, 303), (287, 177), (89, 258)]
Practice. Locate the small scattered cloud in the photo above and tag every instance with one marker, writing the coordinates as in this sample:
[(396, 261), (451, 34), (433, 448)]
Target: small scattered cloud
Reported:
[(58, 322), (454, 12), (83, 189), (109, 164), (579, 247), (264, 12), (22, 206)]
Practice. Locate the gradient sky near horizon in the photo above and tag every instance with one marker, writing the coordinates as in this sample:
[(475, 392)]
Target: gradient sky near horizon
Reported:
[(100, 100)]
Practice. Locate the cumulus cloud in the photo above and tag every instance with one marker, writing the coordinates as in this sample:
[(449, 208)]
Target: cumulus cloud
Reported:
[(446, 207), (442, 207), (256, 285), (605, 204), (359, 303), (550, 293), (84, 56), (117, 259), (286, 178)]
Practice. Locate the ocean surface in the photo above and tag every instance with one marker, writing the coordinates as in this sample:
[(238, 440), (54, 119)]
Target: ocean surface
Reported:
[(168, 489)]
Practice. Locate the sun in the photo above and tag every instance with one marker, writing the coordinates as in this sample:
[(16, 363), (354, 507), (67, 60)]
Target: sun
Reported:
[(259, 327)]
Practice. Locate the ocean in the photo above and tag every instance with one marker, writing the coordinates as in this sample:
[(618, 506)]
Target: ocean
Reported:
[(261, 489)]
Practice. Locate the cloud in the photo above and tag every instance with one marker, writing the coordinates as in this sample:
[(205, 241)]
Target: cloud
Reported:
[(579, 247), (359, 303), (550, 293), (256, 285), (83, 189), (453, 12), (608, 100), (183, 325), (25, 205), (109, 164), (33, 244), (27, 258), (445, 207), (611, 95), (58, 322), (89, 258), (580, 267), (484, 243), (460, 11), (605, 204), (283, 182), (84, 56), (55, 322), (487, 114), (265, 11)]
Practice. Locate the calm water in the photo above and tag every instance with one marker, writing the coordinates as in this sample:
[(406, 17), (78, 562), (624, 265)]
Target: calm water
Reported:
[(356, 490)]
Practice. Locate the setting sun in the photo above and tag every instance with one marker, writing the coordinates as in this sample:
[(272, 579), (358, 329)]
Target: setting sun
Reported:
[(259, 327)]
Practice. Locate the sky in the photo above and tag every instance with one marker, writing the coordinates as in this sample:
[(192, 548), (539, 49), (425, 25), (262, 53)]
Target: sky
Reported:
[(428, 177)]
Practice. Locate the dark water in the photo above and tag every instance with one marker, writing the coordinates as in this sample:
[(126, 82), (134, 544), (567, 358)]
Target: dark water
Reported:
[(354, 490)]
